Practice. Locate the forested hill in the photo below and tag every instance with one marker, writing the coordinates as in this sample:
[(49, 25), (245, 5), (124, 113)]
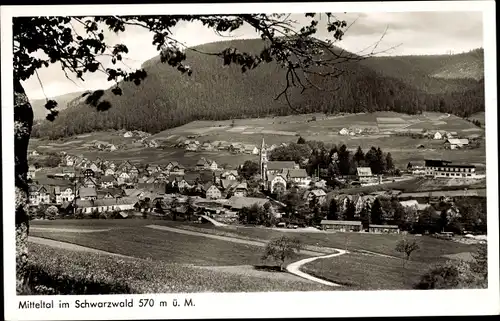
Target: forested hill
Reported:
[(169, 99)]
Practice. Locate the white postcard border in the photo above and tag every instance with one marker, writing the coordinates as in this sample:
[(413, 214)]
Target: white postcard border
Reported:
[(257, 305)]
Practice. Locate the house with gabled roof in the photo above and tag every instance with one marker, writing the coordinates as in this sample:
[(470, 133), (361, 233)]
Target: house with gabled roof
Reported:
[(89, 182), (211, 191), (133, 172), (315, 194), (455, 143), (109, 172), (240, 190), (31, 171), (251, 149), (230, 174), (108, 181), (365, 175), (297, 176), (177, 170), (39, 195), (276, 183), (87, 193)]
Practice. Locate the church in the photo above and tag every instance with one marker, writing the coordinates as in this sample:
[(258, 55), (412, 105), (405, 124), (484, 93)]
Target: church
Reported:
[(274, 173)]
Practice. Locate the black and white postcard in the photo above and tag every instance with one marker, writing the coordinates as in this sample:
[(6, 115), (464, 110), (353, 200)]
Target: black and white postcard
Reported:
[(249, 160)]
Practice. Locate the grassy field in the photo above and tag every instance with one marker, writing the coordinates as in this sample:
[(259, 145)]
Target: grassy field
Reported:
[(382, 127), (64, 271), (145, 243), (358, 271), (130, 236)]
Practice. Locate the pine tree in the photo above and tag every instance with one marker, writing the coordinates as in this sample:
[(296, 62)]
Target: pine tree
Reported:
[(389, 162), (350, 211), (301, 140), (376, 212), (332, 210), (359, 156)]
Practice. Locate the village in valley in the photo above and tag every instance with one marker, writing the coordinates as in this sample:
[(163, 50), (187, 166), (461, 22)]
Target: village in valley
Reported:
[(263, 164), (278, 193)]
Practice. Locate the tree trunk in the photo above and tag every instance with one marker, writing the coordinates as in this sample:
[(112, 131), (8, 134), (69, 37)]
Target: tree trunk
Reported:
[(23, 122)]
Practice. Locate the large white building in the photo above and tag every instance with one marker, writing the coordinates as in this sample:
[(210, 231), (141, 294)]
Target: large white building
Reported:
[(445, 169)]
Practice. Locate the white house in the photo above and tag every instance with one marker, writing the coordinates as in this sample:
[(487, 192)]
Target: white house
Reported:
[(31, 171), (63, 194), (317, 194), (128, 134), (344, 132), (297, 176), (277, 183), (109, 172), (438, 135), (454, 143), (39, 195), (212, 192), (108, 181), (213, 165)]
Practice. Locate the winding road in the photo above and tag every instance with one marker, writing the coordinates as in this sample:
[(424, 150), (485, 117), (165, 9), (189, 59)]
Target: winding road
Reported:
[(294, 268)]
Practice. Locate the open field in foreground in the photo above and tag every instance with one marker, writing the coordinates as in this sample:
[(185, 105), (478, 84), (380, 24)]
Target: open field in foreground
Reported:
[(71, 272), (357, 271)]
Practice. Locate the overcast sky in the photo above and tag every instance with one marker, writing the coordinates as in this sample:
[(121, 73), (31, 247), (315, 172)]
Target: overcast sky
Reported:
[(408, 33)]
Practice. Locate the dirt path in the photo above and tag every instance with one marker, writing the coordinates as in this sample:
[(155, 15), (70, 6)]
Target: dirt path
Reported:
[(294, 268), (224, 238), (70, 246)]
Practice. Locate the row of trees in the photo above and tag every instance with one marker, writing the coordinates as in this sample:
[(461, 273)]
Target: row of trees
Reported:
[(330, 160)]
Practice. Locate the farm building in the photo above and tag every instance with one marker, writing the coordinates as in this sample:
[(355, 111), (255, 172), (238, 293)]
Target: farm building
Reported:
[(344, 132), (237, 203), (251, 149), (240, 190), (105, 205), (445, 169), (230, 174), (421, 146), (455, 143), (128, 135), (87, 193), (341, 226), (211, 191), (365, 175), (372, 228), (317, 194), (437, 135)]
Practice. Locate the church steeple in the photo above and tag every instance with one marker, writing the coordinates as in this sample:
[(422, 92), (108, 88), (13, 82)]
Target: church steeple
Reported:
[(263, 161)]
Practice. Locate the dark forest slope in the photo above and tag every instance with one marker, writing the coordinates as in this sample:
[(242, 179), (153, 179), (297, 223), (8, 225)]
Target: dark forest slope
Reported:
[(167, 99)]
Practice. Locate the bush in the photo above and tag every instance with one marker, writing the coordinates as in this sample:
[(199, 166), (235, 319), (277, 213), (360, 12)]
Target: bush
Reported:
[(458, 274)]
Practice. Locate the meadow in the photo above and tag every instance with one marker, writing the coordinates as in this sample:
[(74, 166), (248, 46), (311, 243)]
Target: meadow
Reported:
[(382, 130), (372, 262)]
